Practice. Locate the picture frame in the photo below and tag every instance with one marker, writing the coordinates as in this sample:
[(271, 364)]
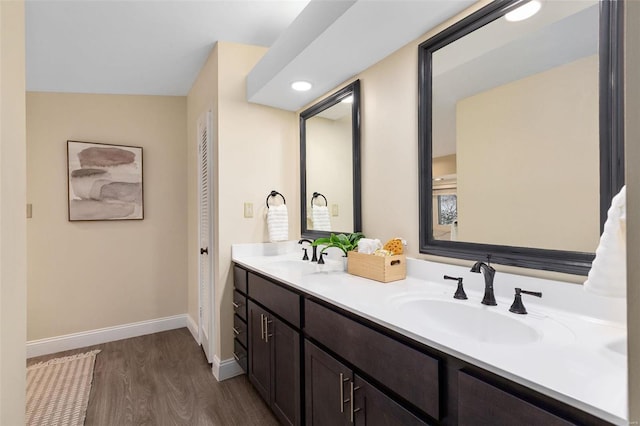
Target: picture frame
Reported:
[(105, 181)]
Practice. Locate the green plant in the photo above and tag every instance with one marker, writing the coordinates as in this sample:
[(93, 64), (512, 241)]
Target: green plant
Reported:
[(344, 242)]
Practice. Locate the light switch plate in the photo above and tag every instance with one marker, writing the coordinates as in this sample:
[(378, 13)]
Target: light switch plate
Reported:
[(334, 210), (29, 210), (248, 210)]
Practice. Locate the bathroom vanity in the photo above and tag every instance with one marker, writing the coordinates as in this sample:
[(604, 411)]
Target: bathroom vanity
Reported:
[(323, 347)]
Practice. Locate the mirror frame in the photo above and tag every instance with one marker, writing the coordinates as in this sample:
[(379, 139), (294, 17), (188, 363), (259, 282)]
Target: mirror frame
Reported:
[(611, 124), (329, 101)]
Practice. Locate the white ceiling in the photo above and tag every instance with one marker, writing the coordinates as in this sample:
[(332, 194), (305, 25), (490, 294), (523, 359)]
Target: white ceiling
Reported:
[(158, 47), (143, 46), (339, 42)]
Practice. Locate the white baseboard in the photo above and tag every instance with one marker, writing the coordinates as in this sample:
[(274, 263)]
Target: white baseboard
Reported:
[(223, 370), (193, 328), (103, 335)]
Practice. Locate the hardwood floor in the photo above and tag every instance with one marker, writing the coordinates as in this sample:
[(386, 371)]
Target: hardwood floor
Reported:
[(164, 379)]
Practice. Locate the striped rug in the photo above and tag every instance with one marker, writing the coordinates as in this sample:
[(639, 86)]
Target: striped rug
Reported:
[(58, 390)]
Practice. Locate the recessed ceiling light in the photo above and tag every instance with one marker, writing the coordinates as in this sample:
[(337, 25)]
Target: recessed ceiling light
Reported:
[(301, 86), (348, 99), (525, 11)]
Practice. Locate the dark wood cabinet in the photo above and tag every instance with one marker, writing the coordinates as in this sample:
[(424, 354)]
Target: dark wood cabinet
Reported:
[(357, 372), (259, 352), (372, 407), (240, 317), (480, 403), (240, 304), (406, 371), (325, 383), (335, 395), (274, 363)]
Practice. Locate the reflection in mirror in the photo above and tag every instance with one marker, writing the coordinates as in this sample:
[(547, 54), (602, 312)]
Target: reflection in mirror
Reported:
[(512, 138), (329, 149)]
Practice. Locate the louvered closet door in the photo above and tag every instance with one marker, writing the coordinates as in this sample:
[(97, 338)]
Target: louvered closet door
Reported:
[(206, 237)]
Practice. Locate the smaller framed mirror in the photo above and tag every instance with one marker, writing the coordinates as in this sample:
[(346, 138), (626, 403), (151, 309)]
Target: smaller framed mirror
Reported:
[(330, 165)]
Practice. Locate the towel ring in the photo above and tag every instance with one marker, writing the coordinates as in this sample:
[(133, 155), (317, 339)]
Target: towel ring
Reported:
[(316, 195), (273, 194)]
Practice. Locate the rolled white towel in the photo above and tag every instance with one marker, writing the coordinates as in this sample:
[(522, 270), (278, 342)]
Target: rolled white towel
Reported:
[(278, 223), (608, 274), (320, 218)]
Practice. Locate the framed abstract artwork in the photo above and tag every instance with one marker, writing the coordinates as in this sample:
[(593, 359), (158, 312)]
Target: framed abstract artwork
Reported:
[(105, 181)]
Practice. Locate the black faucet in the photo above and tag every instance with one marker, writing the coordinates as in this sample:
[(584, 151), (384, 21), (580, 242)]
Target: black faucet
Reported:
[(489, 273), (314, 256), (518, 307), (460, 294)]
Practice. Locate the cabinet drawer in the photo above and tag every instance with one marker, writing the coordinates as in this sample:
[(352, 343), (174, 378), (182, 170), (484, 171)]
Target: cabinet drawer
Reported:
[(240, 304), (406, 371), (240, 330), (240, 279), (240, 355), (480, 403), (277, 299)]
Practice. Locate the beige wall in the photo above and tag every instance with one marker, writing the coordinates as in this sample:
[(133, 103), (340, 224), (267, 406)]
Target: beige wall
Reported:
[(12, 213), (536, 163), (329, 167), (632, 159), (88, 275), (445, 165), (255, 151)]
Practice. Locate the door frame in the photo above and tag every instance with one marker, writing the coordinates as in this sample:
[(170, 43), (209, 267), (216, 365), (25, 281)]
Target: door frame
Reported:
[(206, 120)]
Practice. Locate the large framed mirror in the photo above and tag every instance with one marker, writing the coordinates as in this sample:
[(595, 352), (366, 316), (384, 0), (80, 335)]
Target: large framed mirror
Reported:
[(520, 136), (330, 164)]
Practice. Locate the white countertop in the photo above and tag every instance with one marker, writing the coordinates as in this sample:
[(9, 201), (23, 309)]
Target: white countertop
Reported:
[(579, 357)]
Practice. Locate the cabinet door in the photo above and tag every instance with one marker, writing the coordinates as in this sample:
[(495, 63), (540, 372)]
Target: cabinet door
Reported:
[(371, 407), (480, 403), (327, 387), (285, 371), (259, 353)]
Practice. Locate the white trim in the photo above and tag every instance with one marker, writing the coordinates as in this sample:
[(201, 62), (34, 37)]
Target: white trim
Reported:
[(103, 335), (193, 328), (223, 370)]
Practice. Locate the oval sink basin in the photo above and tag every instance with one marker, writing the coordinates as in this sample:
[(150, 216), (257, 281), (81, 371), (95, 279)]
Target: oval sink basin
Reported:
[(303, 266), (473, 322), (292, 265)]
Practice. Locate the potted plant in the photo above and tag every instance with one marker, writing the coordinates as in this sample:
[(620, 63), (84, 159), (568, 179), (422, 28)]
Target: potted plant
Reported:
[(345, 242)]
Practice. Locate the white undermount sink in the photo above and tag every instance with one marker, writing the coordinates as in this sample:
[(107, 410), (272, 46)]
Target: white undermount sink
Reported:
[(304, 266), (477, 322)]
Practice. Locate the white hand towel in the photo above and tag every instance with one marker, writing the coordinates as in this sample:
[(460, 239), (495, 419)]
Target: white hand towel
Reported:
[(320, 218), (608, 274), (278, 223)]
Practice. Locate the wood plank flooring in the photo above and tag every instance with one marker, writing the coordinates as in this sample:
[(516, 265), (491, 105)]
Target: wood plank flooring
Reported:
[(164, 379)]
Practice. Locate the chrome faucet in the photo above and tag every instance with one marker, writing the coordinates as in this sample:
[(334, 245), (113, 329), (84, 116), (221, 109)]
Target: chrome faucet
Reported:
[(314, 257), (489, 273)]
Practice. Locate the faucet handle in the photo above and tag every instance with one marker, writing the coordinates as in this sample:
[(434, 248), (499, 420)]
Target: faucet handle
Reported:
[(517, 307), (460, 294), (306, 256)]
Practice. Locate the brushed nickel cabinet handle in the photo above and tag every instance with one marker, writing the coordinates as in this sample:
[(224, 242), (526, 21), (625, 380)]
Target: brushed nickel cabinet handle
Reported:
[(343, 380), (353, 410), (235, 305), (266, 329), (236, 331), (236, 357), (341, 393), (261, 327)]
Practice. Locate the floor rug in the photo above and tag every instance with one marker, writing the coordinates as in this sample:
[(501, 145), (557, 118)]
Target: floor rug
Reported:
[(58, 390)]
